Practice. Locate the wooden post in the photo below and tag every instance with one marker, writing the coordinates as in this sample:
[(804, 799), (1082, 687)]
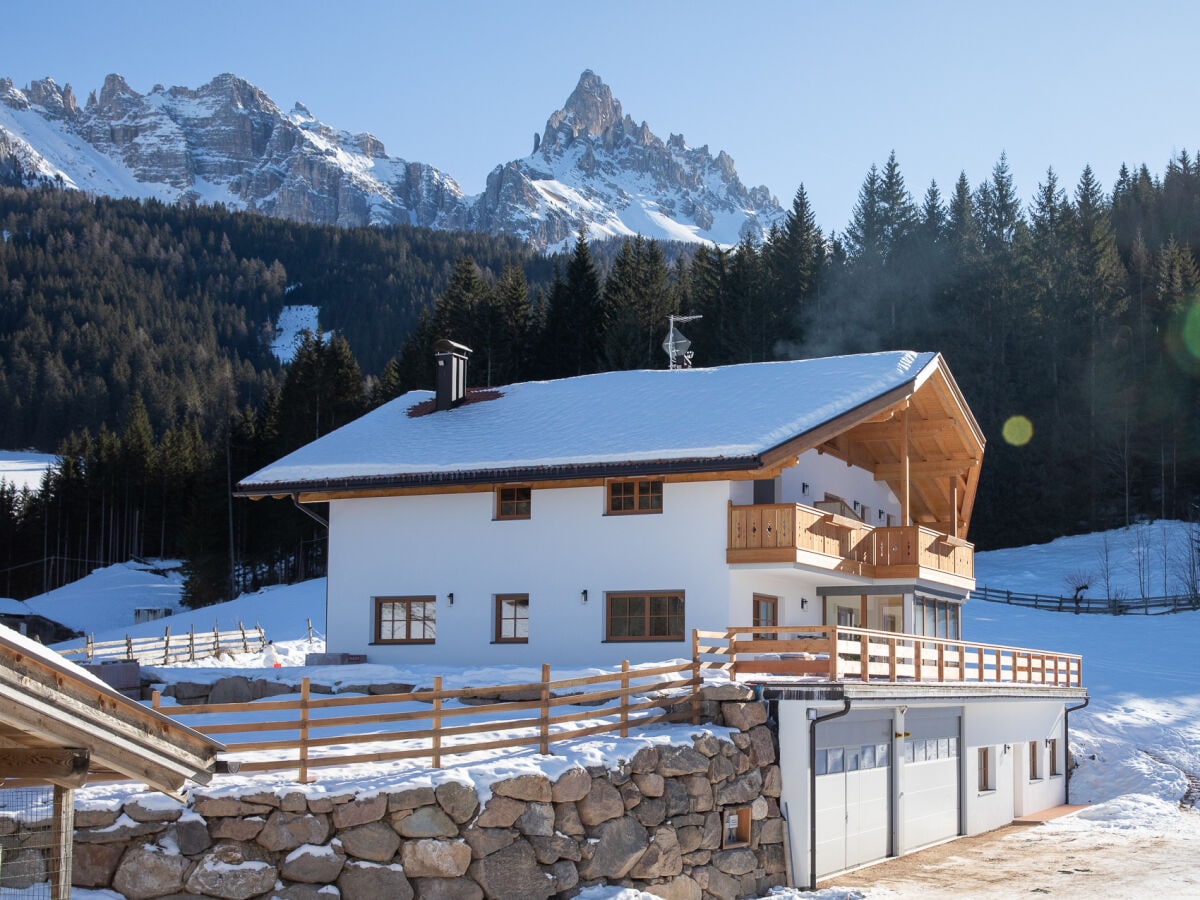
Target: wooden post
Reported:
[(891, 659), (980, 663), (436, 723), (696, 682), (544, 713), (310, 637), (63, 836), (941, 661), (245, 644), (155, 699), (216, 641), (262, 637), (166, 645), (833, 654), (864, 655), (731, 650), (954, 525), (624, 698), (192, 644), (918, 652), (91, 646), (305, 694), (128, 647), (905, 509)]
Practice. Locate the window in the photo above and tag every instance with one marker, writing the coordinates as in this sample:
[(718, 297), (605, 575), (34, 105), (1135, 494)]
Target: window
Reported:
[(635, 497), (1035, 760), (644, 616), (405, 620), (512, 618), (1052, 746), (936, 618), (737, 827), (986, 773), (513, 502), (766, 613)]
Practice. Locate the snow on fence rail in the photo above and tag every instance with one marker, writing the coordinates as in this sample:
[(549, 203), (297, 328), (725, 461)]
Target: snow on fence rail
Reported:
[(840, 653), (186, 647), (313, 732), (1116, 606)]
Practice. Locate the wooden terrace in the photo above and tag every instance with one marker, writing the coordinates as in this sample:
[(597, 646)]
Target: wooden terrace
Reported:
[(795, 533), (842, 654)]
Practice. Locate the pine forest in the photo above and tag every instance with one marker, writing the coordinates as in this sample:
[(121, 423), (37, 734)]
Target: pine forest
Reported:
[(135, 342)]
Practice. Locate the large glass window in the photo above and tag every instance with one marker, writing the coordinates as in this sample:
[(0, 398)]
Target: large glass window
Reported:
[(936, 618), (766, 612), (512, 618), (405, 620), (656, 616), (645, 496)]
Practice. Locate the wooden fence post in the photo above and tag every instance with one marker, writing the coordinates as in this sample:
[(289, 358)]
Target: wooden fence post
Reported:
[(624, 698), (436, 723), (155, 699), (864, 652), (216, 651), (696, 682), (242, 629), (544, 713), (128, 647), (91, 646), (731, 650), (918, 658), (304, 698), (167, 645), (192, 644), (310, 637)]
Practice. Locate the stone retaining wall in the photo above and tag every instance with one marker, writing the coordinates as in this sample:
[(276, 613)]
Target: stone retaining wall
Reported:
[(654, 824)]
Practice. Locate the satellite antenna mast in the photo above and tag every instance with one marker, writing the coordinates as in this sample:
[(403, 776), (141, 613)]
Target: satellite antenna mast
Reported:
[(678, 347)]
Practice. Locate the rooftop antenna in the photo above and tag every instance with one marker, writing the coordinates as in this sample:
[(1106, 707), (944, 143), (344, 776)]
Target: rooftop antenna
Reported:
[(677, 346)]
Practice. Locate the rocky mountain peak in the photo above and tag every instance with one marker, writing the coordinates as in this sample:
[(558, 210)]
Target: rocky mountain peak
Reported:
[(590, 110), (116, 90)]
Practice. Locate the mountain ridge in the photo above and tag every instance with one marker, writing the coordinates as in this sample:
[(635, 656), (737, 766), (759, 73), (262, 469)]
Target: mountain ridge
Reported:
[(592, 167)]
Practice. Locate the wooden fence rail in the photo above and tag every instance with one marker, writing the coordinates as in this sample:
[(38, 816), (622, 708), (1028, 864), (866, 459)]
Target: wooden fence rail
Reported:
[(1114, 606), (188, 646), (838, 653), (324, 731)]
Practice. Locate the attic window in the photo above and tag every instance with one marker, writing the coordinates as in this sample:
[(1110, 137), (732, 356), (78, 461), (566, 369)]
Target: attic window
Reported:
[(513, 502)]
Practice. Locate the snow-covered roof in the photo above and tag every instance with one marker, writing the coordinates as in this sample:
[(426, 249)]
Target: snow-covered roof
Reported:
[(635, 422)]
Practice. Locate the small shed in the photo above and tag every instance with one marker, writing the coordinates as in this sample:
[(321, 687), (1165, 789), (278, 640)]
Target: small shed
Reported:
[(58, 725), (17, 615)]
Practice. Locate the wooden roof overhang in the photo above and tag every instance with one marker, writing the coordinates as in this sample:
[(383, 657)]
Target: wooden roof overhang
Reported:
[(922, 427), (58, 725)]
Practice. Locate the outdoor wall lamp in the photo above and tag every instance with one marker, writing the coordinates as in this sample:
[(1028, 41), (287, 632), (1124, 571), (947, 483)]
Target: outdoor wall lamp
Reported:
[(1048, 741), (804, 603), (583, 596), (1008, 748), (450, 598)]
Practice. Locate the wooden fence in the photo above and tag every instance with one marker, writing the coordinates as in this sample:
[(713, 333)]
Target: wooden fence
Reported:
[(314, 732), (1113, 606), (840, 653), (174, 648)]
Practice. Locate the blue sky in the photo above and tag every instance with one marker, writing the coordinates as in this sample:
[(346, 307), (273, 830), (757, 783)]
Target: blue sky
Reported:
[(794, 92)]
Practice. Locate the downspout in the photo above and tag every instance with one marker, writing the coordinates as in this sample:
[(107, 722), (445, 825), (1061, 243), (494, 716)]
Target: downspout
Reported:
[(1067, 743), (812, 790), (308, 512)]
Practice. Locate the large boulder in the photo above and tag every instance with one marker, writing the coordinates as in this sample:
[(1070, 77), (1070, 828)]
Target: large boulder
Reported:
[(287, 831), (602, 803), (512, 872), (149, 871), (374, 841), (232, 872), (371, 881), (313, 864), (621, 842), (435, 859), (458, 800)]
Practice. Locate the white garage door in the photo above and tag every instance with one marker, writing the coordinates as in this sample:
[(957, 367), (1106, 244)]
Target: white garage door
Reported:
[(853, 796), (931, 778)]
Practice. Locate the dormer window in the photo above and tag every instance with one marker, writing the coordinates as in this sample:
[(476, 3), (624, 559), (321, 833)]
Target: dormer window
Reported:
[(640, 496), (513, 502)]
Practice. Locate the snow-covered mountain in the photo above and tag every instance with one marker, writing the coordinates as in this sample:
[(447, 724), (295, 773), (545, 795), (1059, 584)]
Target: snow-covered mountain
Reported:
[(228, 142)]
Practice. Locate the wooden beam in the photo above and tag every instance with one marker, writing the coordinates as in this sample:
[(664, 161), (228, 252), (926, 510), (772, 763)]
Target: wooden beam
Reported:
[(66, 766), (64, 842), (905, 472), (934, 468), (894, 429)]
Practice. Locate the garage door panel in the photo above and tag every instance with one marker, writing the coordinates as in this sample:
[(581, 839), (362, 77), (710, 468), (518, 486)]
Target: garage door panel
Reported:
[(853, 793), (931, 780)]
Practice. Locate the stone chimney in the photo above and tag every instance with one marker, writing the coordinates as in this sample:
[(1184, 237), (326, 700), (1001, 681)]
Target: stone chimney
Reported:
[(451, 361)]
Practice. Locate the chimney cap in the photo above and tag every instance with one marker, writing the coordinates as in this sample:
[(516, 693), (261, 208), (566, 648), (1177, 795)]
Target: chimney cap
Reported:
[(446, 346)]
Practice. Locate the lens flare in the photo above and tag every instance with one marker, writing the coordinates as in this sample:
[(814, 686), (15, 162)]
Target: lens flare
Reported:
[(1018, 431)]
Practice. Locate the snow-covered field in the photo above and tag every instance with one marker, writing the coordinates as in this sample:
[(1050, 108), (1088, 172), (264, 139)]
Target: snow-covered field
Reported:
[(1134, 744), (24, 468)]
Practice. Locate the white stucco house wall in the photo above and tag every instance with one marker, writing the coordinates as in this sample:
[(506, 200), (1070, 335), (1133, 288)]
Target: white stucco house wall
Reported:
[(613, 517)]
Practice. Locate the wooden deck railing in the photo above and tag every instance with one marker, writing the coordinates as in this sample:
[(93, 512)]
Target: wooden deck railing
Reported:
[(836, 653), (187, 646), (311, 731), (775, 532)]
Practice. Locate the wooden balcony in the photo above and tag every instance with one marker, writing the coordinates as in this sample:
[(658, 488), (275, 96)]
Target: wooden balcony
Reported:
[(794, 533), (841, 654)]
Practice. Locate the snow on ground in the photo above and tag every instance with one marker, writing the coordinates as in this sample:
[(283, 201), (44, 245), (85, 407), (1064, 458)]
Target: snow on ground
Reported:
[(1133, 743), (289, 330), (24, 468)]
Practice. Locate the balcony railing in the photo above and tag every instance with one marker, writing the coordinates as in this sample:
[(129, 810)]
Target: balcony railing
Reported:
[(791, 532), (838, 653)]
